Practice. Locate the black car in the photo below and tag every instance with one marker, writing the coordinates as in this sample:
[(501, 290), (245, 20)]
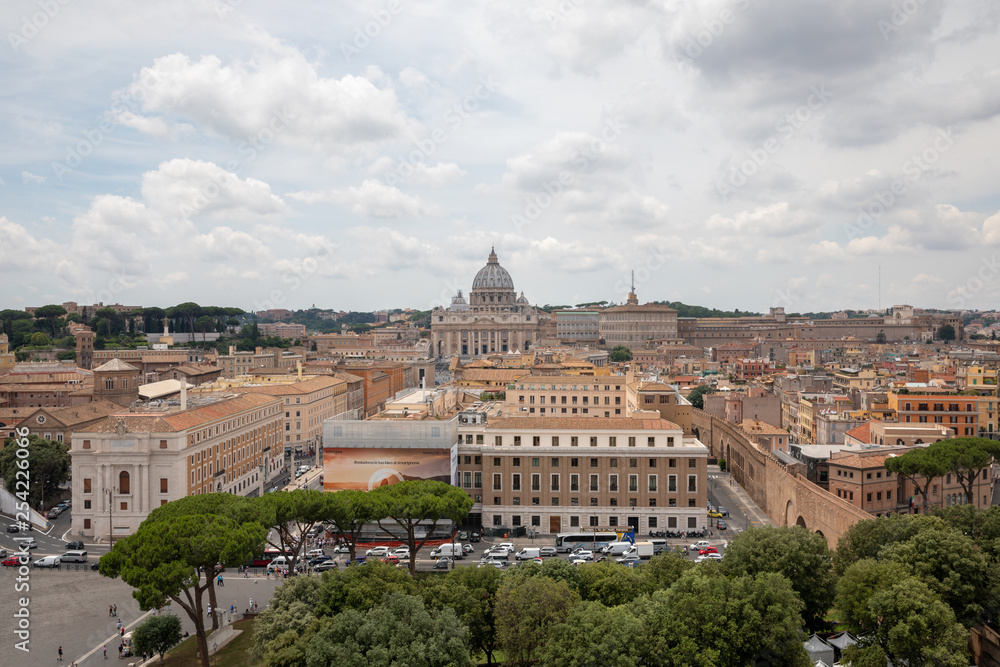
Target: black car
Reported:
[(96, 565), (319, 559), (474, 537), (75, 546), (12, 528)]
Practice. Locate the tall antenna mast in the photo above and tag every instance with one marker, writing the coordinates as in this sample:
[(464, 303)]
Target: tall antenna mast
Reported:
[(633, 281), (880, 288)]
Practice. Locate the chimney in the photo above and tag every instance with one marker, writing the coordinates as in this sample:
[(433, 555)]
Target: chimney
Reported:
[(298, 366), (184, 395)]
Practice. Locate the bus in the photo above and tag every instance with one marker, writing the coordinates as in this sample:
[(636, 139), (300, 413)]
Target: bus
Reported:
[(592, 541), (269, 554)]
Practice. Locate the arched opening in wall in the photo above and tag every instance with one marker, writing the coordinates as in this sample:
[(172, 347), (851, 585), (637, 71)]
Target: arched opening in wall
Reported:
[(696, 433), (820, 533), (440, 350), (790, 512), (801, 522)]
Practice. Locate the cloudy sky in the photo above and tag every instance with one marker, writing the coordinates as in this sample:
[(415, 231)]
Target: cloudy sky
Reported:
[(362, 155)]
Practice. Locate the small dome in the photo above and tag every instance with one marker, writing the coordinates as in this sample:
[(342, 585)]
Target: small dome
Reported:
[(458, 302), (521, 300), (493, 276)]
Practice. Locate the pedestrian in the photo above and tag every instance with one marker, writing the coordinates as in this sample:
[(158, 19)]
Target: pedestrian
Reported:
[(119, 626), (120, 651), (218, 580), (122, 632), (60, 653), (116, 610), (110, 611), (246, 574), (105, 651), (209, 610)]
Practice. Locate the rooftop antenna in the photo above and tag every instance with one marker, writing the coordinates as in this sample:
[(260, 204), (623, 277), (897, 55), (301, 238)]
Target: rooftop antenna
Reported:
[(633, 282), (880, 288)]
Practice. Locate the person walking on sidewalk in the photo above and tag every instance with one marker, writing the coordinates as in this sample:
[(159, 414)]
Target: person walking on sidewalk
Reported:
[(105, 651), (60, 654)]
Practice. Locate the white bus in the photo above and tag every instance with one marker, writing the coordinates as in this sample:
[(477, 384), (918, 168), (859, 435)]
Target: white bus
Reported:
[(568, 541)]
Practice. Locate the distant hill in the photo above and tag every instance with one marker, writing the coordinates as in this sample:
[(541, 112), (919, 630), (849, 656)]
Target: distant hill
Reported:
[(684, 310)]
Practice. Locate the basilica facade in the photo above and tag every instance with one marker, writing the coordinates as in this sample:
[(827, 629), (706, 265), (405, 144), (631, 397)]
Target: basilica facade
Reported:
[(495, 320)]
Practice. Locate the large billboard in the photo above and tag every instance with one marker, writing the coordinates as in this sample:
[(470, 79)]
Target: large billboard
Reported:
[(367, 468)]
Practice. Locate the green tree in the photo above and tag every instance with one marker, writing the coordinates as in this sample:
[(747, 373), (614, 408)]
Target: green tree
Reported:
[(982, 526), (204, 324), (900, 619), (949, 563), (611, 584), (946, 332), (157, 634), (50, 312), (663, 570), (8, 317), (800, 556), (921, 466), (866, 539), (187, 311), (400, 631), (968, 459), (594, 635), (290, 609), (707, 619), (526, 611), (472, 593), (349, 510), (696, 396), (48, 468), (880, 337), (361, 588), (424, 503), (39, 340), (620, 354), (177, 559), (290, 515)]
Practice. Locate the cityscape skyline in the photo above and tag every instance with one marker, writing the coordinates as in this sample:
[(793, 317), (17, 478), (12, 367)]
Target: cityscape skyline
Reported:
[(733, 154)]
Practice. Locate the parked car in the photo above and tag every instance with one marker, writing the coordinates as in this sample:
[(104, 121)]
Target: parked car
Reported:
[(96, 565), (467, 548), (47, 561), (509, 546), (575, 560), (402, 553), (722, 525), (377, 552), (583, 554), (629, 560), (715, 514), (319, 559), (11, 561), (325, 565), (707, 550), (698, 546), (474, 537), (547, 552), (29, 543), (341, 549), (722, 510), (391, 559), (463, 535), (701, 559), (443, 563), (77, 546), (12, 528)]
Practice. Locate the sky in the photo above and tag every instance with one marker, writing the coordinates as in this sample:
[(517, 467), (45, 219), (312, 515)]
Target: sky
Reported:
[(812, 155)]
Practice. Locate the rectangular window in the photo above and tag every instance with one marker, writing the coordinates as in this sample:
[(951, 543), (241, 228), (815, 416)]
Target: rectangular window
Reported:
[(574, 441), (86, 485), (651, 441), (536, 440), (692, 483), (670, 441), (517, 440), (467, 480), (555, 462), (574, 482), (163, 485), (671, 463), (496, 482), (515, 520), (652, 483), (612, 463), (671, 522), (593, 441), (535, 462), (536, 482), (612, 441), (692, 522), (593, 483), (86, 504), (613, 483), (574, 521), (86, 524), (593, 463), (633, 483), (574, 502), (555, 441), (516, 500), (652, 463), (574, 463), (593, 522), (631, 440), (672, 483), (498, 440), (633, 463), (497, 520), (554, 483), (515, 484), (496, 461), (516, 461), (477, 480), (692, 463)]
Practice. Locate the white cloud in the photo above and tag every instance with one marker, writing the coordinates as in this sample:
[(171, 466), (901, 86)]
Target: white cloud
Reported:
[(28, 177), (372, 199), (775, 220)]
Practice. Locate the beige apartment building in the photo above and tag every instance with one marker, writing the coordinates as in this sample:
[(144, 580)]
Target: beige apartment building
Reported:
[(556, 474), (126, 465), (567, 395), (307, 404)]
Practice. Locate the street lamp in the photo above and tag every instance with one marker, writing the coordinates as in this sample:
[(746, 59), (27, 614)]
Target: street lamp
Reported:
[(111, 518)]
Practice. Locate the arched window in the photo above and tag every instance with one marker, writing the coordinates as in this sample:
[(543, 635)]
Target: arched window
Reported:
[(123, 483)]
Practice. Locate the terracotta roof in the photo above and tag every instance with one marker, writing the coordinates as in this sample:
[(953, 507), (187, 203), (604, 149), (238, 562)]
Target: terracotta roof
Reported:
[(182, 421), (78, 414), (493, 374), (862, 433), (582, 423), (116, 365), (654, 386), (757, 427), (47, 386), (855, 461), (303, 387)]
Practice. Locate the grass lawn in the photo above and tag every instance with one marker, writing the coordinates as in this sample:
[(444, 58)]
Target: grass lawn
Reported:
[(234, 654)]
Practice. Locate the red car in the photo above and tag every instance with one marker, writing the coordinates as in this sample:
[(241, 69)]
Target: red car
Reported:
[(391, 559), (708, 550), (12, 561)]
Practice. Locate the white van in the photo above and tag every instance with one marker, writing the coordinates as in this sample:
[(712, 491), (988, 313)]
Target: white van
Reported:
[(453, 550), (527, 553), (47, 561), (617, 549)]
